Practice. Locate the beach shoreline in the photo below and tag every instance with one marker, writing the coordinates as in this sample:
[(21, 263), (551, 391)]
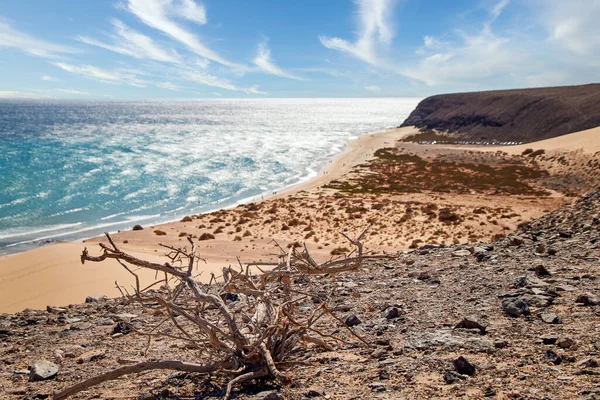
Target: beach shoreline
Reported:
[(53, 274)]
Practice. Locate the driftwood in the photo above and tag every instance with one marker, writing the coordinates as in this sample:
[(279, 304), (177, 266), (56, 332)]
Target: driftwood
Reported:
[(245, 326)]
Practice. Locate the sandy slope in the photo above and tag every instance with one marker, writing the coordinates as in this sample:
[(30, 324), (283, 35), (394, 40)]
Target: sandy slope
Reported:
[(587, 141)]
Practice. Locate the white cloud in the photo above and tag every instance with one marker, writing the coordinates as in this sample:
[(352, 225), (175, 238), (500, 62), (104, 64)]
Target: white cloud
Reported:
[(374, 29), (48, 78), (469, 58), (71, 91), (31, 45), (132, 43), (210, 80), (102, 75), (264, 62), (13, 94), (373, 88), (192, 11), (168, 86), (155, 13), (573, 24), (472, 58)]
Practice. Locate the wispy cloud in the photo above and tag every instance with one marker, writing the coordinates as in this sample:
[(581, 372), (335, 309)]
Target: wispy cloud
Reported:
[(71, 91), (374, 28), (373, 88), (48, 78), (129, 42), (168, 86), (265, 63), (467, 58), (10, 37), (102, 75), (210, 80), (156, 14), (573, 25), (13, 94), (497, 9), (327, 71)]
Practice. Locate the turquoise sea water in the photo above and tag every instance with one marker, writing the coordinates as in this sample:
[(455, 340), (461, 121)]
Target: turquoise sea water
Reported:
[(74, 169)]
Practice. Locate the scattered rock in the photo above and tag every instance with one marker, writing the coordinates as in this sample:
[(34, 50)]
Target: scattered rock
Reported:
[(552, 357), (461, 253), (565, 342), (550, 318), (587, 299), (589, 363), (501, 343), (391, 313), (471, 323), (451, 377), (352, 320), (549, 339), (463, 366), (515, 307), (541, 271), (42, 370), (516, 241), (122, 328), (95, 299)]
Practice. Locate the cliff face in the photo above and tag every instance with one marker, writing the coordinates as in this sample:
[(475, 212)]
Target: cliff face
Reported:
[(511, 115)]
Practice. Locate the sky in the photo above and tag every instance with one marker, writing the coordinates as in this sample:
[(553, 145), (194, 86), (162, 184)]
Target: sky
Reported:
[(177, 49)]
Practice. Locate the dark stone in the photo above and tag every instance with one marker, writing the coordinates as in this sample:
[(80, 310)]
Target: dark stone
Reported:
[(313, 393), (549, 339), (515, 307), (352, 320), (552, 357), (451, 377), (391, 313), (587, 299), (552, 251), (471, 323), (463, 366), (500, 344), (121, 327), (233, 297), (542, 271)]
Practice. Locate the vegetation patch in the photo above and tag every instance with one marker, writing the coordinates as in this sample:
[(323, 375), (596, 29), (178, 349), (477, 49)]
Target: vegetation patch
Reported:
[(392, 171)]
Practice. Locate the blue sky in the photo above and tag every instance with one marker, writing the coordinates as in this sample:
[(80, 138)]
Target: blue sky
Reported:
[(147, 49)]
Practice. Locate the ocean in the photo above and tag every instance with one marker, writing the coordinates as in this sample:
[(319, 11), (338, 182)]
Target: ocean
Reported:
[(71, 170)]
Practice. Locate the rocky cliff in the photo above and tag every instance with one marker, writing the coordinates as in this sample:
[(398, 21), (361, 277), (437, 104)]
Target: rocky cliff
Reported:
[(511, 115)]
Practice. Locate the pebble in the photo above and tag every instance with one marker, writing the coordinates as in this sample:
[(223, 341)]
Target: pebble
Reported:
[(550, 318), (42, 370), (471, 323), (587, 299), (463, 366), (461, 253), (352, 320), (391, 313), (515, 307), (565, 342)]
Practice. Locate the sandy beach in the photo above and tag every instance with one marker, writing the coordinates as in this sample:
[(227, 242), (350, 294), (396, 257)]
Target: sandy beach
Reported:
[(53, 274)]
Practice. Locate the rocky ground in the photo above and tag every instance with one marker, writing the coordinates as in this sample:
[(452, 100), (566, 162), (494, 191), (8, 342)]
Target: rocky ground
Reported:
[(518, 318)]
